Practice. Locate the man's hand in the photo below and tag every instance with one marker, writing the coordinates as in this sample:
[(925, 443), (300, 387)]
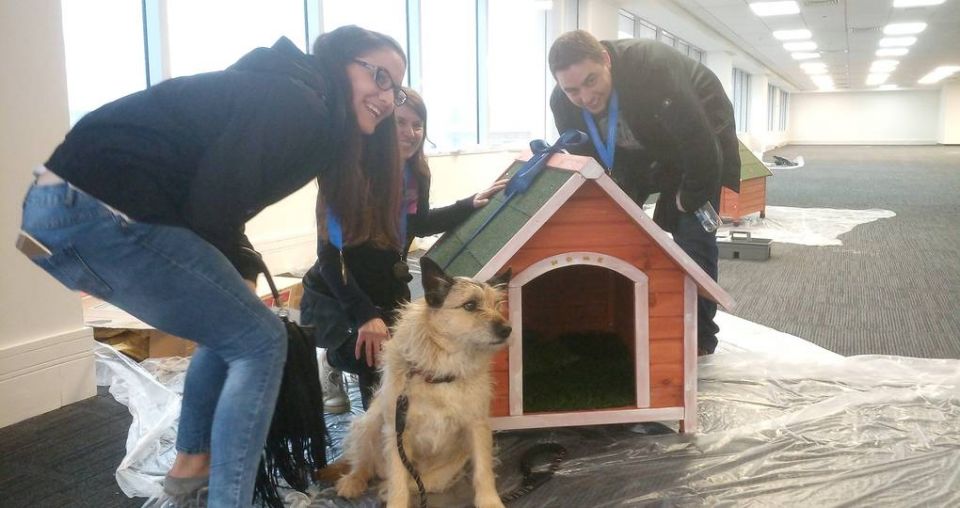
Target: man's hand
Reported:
[(370, 339)]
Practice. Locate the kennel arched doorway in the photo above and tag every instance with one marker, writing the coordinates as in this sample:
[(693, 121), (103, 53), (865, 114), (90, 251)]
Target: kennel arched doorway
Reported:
[(536, 300)]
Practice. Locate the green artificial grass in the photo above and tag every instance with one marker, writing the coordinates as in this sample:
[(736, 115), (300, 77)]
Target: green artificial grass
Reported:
[(576, 372)]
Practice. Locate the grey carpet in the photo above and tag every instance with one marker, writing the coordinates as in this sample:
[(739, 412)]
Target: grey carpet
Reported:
[(67, 457), (893, 287)]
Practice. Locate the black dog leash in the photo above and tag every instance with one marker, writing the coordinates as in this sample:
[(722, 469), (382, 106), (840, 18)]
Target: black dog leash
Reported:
[(533, 479), (403, 404)]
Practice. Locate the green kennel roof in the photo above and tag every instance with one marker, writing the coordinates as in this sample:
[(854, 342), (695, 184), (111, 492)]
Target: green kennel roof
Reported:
[(500, 230), (750, 166)]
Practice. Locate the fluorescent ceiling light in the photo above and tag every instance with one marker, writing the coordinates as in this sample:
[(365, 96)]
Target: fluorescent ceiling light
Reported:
[(543, 5), (817, 67), (876, 79), (944, 71), (800, 46), (903, 4), (892, 51), (887, 87), (823, 82), (884, 65), (894, 42), (804, 56), (792, 35), (774, 8), (904, 28)]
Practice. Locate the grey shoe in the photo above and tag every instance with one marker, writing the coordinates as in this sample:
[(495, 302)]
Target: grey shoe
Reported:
[(181, 493), (335, 400)]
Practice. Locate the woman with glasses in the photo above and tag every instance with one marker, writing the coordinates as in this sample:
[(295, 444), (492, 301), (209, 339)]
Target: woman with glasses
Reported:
[(366, 274), (144, 204)]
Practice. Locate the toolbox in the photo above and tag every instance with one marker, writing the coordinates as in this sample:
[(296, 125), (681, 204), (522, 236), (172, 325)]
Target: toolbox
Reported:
[(741, 245)]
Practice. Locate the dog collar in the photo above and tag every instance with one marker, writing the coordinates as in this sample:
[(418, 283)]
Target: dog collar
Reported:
[(431, 378)]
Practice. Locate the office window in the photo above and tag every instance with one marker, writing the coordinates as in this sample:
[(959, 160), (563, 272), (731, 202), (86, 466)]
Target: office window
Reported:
[(646, 30), (667, 38), (784, 103), (212, 34), (631, 26), (626, 26), (385, 17), (103, 42), (741, 99), (516, 73), (772, 112), (449, 73)]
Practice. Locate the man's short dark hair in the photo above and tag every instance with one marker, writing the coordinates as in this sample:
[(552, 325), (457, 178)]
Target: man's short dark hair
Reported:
[(574, 47)]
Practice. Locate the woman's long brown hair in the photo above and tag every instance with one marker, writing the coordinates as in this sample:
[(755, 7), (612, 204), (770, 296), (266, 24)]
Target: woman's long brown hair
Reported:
[(365, 187)]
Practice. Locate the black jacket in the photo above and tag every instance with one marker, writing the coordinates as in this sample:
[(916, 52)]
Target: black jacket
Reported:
[(678, 111), (210, 151)]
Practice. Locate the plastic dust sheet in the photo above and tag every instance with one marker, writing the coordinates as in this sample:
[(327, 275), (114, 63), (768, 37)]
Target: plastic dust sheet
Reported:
[(804, 226), (782, 423)]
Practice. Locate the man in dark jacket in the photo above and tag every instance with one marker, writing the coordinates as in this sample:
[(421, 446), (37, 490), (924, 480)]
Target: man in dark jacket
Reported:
[(658, 122)]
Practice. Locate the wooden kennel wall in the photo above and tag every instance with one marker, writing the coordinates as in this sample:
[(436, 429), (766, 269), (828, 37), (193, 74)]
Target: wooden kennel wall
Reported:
[(574, 215), (752, 197)]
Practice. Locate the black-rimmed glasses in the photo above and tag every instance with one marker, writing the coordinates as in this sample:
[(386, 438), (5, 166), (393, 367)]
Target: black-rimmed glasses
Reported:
[(384, 82)]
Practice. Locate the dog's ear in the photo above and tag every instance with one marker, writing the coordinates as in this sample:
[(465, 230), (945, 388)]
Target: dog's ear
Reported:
[(502, 279), (436, 283)]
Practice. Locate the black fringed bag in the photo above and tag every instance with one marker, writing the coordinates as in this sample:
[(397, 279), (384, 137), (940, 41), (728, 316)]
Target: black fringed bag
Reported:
[(297, 442)]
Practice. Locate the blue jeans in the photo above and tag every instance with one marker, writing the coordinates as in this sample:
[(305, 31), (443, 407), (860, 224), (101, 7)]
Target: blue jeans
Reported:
[(701, 246), (175, 281)]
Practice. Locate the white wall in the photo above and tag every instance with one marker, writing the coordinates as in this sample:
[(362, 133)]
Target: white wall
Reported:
[(46, 358), (721, 63), (949, 122), (875, 117), (286, 233), (599, 17)]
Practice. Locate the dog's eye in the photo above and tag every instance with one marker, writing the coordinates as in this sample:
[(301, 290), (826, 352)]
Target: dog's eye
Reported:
[(470, 306)]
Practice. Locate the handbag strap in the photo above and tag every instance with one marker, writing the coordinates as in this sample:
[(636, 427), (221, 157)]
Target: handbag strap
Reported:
[(282, 311)]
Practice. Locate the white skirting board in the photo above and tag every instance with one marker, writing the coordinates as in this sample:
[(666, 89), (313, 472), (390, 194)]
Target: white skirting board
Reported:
[(44, 374)]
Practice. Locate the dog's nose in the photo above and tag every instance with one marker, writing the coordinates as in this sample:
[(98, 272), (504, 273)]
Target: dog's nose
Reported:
[(502, 331)]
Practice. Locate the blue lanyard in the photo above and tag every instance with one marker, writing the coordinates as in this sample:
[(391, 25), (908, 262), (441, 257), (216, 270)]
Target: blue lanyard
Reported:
[(605, 152), (335, 230)]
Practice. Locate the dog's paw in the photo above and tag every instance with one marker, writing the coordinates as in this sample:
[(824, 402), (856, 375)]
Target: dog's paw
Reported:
[(351, 486), (488, 502)]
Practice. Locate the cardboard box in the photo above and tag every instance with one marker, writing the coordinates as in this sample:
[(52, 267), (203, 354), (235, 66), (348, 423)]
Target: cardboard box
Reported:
[(290, 289), (129, 335), (138, 340)]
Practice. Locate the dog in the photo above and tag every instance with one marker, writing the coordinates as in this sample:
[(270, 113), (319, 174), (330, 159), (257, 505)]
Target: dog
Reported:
[(439, 359)]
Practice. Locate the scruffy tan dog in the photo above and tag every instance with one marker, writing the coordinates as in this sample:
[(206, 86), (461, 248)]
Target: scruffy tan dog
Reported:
[(439, 359)]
